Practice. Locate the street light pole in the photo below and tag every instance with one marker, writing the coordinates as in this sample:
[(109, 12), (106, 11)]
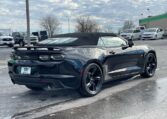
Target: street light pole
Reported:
[(28, 22), (69, 26), (148, 17)]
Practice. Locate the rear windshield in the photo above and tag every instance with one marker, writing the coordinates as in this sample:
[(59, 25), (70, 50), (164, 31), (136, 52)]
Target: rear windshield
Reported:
[(69, 41)]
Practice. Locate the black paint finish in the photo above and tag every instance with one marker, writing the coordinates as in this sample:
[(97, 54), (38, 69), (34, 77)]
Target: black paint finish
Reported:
[(116, 62)]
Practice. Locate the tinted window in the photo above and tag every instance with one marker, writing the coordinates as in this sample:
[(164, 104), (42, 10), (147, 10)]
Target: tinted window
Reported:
[(142, 28), (136, 31), (111, 42)]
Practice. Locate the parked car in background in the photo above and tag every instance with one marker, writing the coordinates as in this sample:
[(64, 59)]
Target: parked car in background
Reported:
[(33, 40), (42, 35), (153, 33), (21, 38), (6, 40), (18, 37), (133, 34), (141, 28)]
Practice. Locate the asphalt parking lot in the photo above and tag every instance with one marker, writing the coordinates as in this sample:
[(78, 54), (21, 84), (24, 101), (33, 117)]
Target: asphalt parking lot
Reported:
[(135, 98)]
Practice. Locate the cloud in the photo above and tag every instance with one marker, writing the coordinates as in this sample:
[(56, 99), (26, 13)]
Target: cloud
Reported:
[(106, 12)]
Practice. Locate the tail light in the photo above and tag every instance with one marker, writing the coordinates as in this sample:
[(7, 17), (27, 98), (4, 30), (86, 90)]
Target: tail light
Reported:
[(55, 57)]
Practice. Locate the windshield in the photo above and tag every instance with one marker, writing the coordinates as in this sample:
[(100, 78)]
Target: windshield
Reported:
[(151, 30), (128, 31)]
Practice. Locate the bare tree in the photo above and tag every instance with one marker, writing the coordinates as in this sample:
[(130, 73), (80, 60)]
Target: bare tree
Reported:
[(128, 25), (107, 28), (50, 24), (86, 24)]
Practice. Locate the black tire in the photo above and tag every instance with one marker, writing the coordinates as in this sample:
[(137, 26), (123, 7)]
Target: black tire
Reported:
[(35, 88), (150, 66), (21, 44), (156, 37), (10, 45), (92, 80)]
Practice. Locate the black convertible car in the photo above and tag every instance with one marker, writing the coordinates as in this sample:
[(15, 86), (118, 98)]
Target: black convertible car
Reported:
[(83, 61)]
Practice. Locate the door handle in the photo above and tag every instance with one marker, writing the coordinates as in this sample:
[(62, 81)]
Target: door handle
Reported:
[(112, 52)]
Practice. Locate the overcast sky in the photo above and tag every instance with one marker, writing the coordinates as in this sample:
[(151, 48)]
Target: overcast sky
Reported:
[(109, 13)]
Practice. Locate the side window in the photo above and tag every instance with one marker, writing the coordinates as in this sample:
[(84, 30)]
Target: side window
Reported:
[(142, 28), (136, 31), (161, 30), (111, 42)]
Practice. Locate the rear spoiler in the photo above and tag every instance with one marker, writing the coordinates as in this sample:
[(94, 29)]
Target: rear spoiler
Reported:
[(50, 48)]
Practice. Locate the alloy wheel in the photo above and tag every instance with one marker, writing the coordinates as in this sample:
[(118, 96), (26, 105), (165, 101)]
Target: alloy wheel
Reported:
[(94, 79), (151, 65)]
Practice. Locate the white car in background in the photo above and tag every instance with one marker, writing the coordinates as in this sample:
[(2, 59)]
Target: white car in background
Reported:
[(153, 33), (134, 34), (6, 40), (33, 40)]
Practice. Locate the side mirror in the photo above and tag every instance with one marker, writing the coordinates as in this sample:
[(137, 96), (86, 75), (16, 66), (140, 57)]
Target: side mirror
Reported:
[(130, 43)]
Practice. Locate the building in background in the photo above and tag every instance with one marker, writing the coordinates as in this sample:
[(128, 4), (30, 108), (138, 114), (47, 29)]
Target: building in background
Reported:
[(159, 21)]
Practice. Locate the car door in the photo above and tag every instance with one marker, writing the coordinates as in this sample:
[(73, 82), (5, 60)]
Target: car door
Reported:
[(161, 33), (137, 34), (120, 58)]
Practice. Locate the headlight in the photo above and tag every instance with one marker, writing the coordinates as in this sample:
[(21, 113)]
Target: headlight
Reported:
[(57, 57)]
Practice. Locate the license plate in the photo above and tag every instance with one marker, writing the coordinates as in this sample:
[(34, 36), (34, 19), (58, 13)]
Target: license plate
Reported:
[(26, 70)]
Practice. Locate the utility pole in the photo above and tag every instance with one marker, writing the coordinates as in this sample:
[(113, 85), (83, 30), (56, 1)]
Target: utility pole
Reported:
[(69, 29), (28, 22), (69, 25)]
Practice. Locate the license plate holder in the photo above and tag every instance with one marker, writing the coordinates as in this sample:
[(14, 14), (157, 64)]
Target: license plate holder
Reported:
[(25, 70)]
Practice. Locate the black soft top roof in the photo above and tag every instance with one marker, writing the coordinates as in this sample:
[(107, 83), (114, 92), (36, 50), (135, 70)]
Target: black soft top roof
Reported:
[(82, 38), (86, 35)]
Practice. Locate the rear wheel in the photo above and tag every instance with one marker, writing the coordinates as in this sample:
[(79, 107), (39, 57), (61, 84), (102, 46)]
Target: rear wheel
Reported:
[(156, 37), (21, 44), (150, 66), (35, 88), (92, 80)]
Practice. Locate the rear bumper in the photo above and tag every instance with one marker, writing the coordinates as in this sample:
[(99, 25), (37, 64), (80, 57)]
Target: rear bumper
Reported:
[(43, 74)]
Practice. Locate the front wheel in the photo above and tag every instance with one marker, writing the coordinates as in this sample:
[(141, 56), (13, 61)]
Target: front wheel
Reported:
[(10, 45), (150, 66), (92, 80)]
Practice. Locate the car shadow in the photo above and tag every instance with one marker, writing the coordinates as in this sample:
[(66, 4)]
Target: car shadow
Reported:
[(51, 93), (37, 100), (112, 83)]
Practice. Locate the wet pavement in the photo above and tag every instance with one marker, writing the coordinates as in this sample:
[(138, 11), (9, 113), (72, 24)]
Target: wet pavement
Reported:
[(139, 102), (136, 98)]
